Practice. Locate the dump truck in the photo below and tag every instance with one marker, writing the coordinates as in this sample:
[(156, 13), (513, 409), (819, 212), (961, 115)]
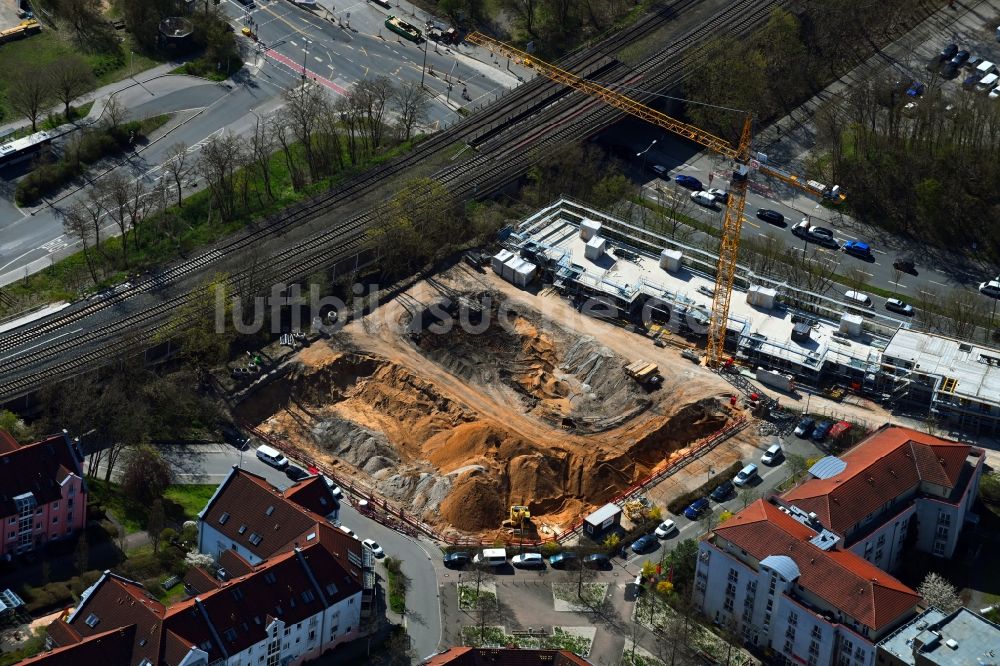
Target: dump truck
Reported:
[(776, 380), (647, 374)]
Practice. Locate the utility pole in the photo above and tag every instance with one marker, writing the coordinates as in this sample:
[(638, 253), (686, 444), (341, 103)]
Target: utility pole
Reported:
[(305, 54), (423, 70)]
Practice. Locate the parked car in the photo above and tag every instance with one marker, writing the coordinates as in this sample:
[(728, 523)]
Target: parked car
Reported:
[(906, 265), (373, 546), (773, 455), (960, 58), (970, 81), (745, 475), (916, 89), (696, 508), (271, 456), (804, 427), (771, 216), (296, 473), (723, 491), (643, 543), (597, 561), (232, 436), (334, 488), (821, 430), (565, 560), (949, 52), (528, 561), (688, 182), (949, 71), (991, 288), (898, 306), (703, 199), (347, 530), (457, 560), (664, 529), (857, 248), (661, 171), (821, 235), (718, 194)]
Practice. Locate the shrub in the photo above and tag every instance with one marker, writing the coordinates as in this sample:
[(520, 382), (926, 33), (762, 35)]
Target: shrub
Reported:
[(989, 487)]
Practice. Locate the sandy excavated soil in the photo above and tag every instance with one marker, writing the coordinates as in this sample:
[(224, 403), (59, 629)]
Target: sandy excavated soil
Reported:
[(458, 424)]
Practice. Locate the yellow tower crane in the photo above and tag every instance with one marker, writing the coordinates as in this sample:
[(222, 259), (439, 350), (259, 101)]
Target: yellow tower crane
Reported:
[(740, 153)]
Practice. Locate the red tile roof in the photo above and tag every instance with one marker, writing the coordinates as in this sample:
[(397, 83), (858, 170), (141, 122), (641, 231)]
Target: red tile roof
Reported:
[(227, 617), (312, 494), (841, 578), (38, 468), (7, 443), (200, 580), (466, 656), (891, 462), (234, 563), (248, 501), (109, 647)]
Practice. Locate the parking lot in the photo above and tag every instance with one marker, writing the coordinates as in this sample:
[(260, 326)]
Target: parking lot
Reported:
[(8, 14)]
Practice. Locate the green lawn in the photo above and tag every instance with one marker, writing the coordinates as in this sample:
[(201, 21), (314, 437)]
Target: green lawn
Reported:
[(48, 46), (181, 502)]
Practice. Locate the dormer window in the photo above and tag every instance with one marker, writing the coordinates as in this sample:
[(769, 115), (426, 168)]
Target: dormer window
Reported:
[(92, 620), (223, 518)]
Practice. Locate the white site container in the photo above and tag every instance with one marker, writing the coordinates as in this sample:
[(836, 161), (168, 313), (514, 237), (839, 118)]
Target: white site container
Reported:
[(850, 324), (595, 248), (499, 259), (509, 266), (671, 260), (524, 273), (589, 229), (762, 297)]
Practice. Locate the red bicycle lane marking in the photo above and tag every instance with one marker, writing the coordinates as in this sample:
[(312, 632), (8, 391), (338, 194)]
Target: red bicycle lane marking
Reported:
[(288, 62)]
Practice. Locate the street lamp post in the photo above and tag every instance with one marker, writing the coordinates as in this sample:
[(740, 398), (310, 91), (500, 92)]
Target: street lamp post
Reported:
[(642, 154), (423, 70), (305, 54)]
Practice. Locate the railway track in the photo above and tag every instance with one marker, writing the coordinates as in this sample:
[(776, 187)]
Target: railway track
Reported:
[(498, 161)]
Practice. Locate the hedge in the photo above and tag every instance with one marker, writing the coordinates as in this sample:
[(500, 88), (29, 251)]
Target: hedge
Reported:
[(94, 146), (681, 502), (57, 595)]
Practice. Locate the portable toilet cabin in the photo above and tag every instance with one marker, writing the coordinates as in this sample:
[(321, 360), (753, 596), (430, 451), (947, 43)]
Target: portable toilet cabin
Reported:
[(595, 248), (671, 260), (589, 229), (499, 259)]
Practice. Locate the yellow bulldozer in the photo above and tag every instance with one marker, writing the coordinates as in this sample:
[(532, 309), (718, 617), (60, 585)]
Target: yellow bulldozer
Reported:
[(520, 519)]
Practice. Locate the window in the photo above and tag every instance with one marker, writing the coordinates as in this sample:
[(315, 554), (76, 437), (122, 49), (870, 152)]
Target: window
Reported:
[(270, 578), (237, 594), (731, 590), (229, 634), (729, 604), (145, 662), (255, 539), (788, 646), (878, 554), (770, 605), (813, 647), (92, 620), (69, 504), (734, 575), (793, 618), (12, 520), (944, 518), (55, 519), (942, 531), (308, 596), (881, 540), (11, 535), (243, 528), (55, 506), (331, 589), (939, 548), (815, 632), (224, 517), (269, 511)]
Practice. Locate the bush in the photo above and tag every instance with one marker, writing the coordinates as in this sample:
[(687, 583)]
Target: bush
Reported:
[(679, 503), (989, 487)]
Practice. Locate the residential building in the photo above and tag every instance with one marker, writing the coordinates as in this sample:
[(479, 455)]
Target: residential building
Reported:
[(43, 496), (295, 606), (806, 574), (936, 638), (467, 656)]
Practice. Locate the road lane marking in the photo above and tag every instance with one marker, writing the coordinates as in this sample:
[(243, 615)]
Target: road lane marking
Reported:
[(940, 284)]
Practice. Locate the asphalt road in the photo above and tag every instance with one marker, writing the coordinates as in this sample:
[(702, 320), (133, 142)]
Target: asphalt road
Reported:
[(335, 56), (211, 463)]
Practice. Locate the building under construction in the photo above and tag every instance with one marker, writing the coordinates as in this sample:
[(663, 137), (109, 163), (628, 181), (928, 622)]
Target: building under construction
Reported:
[(627, 272)]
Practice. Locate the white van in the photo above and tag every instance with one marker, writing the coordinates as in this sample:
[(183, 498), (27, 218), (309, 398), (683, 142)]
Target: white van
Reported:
[(985, 67), (746, 475), (987, 83), (858, 298), (495, 557), (272, 456)]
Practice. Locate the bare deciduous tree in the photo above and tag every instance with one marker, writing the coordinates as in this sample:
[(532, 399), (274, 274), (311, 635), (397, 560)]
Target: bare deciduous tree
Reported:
[(177, 167), (410, 103), (29, 90), (70, 76), (304, 105), (373, 95), (76, 224), (220, 157)]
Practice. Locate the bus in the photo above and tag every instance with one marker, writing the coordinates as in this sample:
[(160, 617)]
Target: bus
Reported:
[(24, 148), (404, 29)]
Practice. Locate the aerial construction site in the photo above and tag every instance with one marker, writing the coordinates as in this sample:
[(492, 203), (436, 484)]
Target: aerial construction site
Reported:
[(465, 395)]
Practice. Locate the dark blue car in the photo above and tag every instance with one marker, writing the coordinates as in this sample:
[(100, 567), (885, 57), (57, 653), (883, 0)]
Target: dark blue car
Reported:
[(697, 508), (822, 428), (857, 248), (643, 543), (689, 182)]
